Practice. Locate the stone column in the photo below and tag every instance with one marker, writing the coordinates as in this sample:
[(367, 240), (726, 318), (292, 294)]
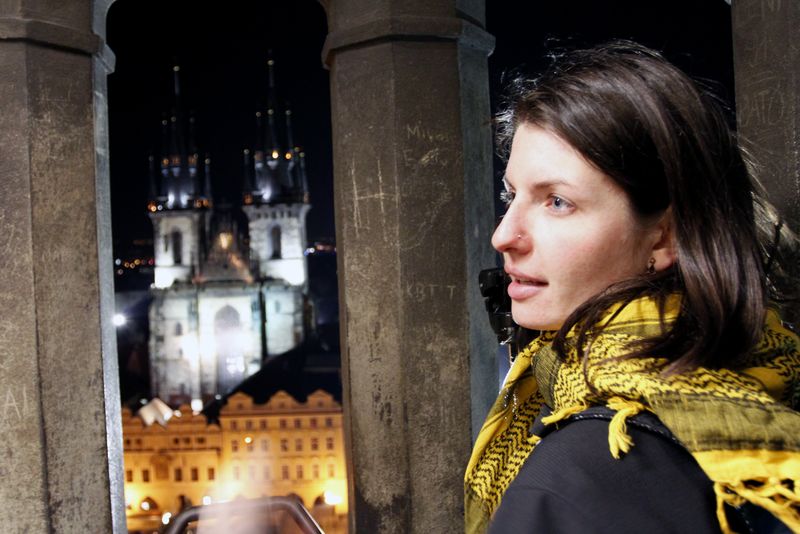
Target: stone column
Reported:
[(60, 452), (767, 64), (414, 214)]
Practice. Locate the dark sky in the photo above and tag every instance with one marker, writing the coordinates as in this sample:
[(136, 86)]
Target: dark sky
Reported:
[(223, 48)]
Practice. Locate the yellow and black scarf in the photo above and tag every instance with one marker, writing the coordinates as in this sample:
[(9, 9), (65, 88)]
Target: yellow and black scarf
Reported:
[(738, 425)]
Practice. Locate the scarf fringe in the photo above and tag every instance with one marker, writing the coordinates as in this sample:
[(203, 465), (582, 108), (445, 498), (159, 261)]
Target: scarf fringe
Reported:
[(767, 479), (618, 438), (563, 413)]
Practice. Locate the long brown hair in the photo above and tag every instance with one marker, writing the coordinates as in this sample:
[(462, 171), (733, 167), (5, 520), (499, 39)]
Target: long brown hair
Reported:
[(666, 142)]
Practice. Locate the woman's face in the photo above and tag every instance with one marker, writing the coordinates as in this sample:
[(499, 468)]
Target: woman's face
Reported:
[(569, 231)]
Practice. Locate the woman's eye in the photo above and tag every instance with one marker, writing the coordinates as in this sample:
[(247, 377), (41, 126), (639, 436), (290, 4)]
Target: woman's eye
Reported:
[(558, 203), (506, 197)]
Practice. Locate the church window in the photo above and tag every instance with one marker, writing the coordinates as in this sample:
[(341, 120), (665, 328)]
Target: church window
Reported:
[(177, 247), (275, 235)]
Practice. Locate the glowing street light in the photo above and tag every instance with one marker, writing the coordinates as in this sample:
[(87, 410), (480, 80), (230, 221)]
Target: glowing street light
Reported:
[(119, 320)]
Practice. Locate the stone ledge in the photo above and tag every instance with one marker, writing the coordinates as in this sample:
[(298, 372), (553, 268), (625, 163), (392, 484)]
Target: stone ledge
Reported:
[(408, 28), (52, 35)]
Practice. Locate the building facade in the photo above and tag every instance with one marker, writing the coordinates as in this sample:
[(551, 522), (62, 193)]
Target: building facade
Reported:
[(281, 448)]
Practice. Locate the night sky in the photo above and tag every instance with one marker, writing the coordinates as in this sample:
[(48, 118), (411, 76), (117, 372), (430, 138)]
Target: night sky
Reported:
[(223, 49)]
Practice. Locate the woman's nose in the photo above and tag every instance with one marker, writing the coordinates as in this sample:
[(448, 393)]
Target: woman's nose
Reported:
[(508, 235)]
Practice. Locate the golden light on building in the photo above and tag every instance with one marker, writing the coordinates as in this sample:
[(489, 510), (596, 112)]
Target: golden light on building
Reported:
[(275, 449)]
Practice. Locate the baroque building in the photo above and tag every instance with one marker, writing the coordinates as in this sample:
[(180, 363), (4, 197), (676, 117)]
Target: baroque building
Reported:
[(175, 459), (225, 297)]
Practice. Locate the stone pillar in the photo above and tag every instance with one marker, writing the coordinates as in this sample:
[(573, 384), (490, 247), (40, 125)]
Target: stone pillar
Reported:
[(60, 452), (767, 66), (414, 214)]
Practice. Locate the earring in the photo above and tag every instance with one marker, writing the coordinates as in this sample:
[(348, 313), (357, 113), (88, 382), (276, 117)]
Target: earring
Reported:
[(651, 266)]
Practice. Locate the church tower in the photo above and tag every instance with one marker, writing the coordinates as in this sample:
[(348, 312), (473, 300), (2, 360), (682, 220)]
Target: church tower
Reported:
[(276, 197), (178, 204)]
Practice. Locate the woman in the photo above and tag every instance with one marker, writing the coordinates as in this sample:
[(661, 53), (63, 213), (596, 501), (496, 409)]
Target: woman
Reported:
[(659, 394)]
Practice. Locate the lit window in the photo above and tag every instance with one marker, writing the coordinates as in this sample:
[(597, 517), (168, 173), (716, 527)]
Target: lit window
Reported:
[(329, 443), (285, 472), (314, 444)]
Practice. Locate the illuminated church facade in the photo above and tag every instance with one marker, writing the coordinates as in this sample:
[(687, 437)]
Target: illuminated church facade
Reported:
[(225, 298)]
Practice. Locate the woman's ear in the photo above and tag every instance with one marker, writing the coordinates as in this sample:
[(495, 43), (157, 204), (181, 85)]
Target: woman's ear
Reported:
[(664, 251)]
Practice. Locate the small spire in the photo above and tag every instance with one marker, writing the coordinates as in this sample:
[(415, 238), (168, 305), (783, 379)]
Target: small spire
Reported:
[(151, 161), (248, 184), (176, 82), (207, 179), (303, 176), (289, 136)]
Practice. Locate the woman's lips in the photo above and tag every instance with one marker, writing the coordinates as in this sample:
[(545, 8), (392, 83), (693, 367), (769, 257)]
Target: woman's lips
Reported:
[(523, 288)]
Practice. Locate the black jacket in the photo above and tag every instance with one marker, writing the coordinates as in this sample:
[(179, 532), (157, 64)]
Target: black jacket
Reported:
[(572, 484)]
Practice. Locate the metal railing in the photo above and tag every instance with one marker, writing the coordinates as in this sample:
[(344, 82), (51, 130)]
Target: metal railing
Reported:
[(270, 505)]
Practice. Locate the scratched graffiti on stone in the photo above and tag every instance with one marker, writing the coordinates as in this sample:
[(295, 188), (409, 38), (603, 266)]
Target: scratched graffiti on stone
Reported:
[(14, 405)]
